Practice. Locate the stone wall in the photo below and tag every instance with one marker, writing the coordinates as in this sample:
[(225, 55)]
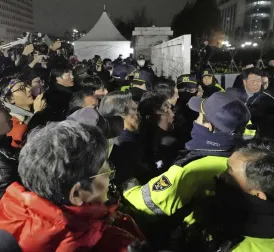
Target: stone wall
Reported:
[(146, 37), (172, 58)]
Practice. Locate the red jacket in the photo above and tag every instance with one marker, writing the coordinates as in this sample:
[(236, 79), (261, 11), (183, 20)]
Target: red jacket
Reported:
[(18, 131), (38, 225)]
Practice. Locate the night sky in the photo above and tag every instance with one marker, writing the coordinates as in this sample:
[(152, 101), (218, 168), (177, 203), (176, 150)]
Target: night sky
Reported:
[(55, 16)]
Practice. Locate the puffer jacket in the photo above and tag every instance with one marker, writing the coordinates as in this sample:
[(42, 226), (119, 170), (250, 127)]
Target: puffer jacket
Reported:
[(8, 165), (39, 225)]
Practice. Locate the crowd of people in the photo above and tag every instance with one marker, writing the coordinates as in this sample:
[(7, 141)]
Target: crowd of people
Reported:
[(102, 155)]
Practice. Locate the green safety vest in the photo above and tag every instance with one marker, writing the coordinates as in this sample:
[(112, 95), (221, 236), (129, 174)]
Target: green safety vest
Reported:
[(220, 87), (172, 190), (125, 88), (249, 134), (250, 244)]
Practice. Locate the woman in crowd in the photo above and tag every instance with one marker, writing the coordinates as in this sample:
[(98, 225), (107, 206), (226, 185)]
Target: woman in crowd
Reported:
[(35, 80), (157, 130), (127, 154), (170, 89)]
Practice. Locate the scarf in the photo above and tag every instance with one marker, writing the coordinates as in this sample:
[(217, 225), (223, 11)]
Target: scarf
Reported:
[(203, 139)]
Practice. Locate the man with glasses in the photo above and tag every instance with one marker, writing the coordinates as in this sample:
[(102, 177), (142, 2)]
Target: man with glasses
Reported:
[(18, 98), (63, 198), (260, 102)]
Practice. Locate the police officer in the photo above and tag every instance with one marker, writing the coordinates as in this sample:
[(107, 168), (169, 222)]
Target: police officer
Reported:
[(138, 86), (209, 84), (188, 87), (240, 216), (250, 131), (215, 133), (142, 81)]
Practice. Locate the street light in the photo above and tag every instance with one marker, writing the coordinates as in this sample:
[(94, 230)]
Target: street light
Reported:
[(255, 44), (248, 43), (243, 45)]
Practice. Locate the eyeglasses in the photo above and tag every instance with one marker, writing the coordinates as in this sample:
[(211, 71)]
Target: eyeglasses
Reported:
[(110, 173), (21, 88)]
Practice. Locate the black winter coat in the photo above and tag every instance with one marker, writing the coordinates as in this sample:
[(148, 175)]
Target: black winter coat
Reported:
[(128, 157), (261, 107), (8, 165), (57, 98)]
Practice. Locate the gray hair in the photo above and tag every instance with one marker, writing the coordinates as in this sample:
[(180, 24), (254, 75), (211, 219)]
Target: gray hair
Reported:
[(58, 156), (115, 104)]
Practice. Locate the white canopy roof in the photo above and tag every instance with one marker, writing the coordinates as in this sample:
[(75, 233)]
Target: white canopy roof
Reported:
[(103, 30)]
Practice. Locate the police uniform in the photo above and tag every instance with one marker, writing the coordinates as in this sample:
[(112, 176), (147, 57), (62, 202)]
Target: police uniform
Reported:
[(172, 190), (143, 76), (213, 88)]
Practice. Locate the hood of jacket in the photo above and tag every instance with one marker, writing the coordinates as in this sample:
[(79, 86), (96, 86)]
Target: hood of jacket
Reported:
[(206, 141), (38, 224), (21, 114)]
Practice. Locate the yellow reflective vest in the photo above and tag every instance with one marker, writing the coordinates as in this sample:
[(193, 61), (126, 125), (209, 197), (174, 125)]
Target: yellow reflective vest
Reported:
[(172, 190), (249, 134), (250, 244), (220, 87)]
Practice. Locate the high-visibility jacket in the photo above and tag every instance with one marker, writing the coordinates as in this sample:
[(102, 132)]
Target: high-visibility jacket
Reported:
[(125, 88), (220, 87), (172, 190), (249, 134), (251, 244)]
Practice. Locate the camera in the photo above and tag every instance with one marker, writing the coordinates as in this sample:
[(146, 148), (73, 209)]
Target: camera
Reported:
[(38, 41)]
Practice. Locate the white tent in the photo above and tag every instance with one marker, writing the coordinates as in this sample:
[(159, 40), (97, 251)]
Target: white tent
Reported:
[(103, 39)]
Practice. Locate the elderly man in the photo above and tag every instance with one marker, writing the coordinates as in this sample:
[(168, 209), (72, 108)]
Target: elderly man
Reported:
[(61, 204), (240, 215)]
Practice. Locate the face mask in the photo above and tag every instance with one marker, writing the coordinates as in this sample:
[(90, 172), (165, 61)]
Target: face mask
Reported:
[(35, 91), (141, 63)]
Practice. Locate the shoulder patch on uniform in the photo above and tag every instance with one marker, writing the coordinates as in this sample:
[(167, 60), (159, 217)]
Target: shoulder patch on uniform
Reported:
[(162, 184)]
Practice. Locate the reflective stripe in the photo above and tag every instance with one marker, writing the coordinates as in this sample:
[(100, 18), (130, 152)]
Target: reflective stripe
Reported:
[(220, 87), (124, 88), (149, 202)]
